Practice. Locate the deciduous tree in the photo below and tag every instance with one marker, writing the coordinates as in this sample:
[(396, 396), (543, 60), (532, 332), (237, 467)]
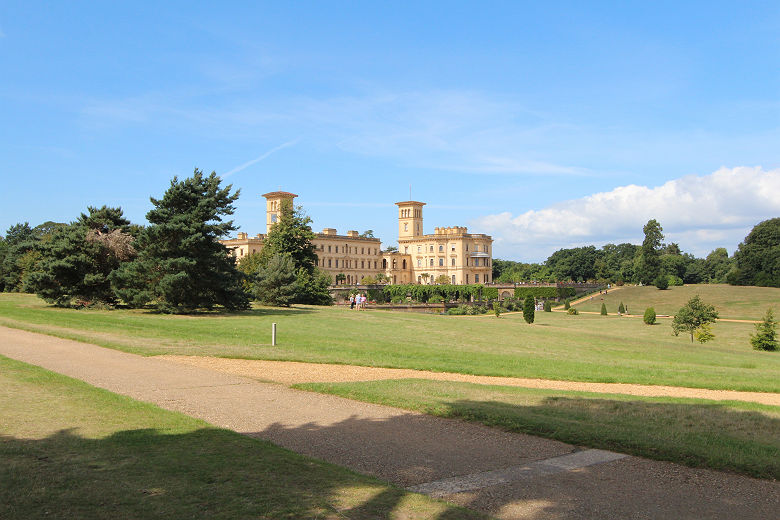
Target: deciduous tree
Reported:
[(693, 315)]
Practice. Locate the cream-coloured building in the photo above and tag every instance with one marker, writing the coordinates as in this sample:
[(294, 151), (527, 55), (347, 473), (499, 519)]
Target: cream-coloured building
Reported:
[(450, 252)]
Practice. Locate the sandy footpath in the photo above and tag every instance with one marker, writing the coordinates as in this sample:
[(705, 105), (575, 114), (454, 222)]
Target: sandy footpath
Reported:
[(290, 372)]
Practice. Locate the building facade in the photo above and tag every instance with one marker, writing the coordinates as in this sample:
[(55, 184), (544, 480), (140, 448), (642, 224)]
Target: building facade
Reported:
[(449, 255)]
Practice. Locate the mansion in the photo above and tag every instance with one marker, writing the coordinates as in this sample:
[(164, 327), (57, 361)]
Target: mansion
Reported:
[(451, 252)]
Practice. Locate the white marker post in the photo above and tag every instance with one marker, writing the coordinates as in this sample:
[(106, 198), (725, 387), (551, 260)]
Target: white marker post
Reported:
[(273, 334)]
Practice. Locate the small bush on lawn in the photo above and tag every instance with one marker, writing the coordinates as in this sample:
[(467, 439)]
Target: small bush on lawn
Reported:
[(662, 282), (547, 306), (621, 308), (603, 309), (649, 316), (497, 309), (765, 337), (566, 305), (572, 311)]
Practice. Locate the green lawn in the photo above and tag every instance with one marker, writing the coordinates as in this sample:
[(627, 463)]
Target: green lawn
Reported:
[(726, 435), (557, 346), (70, 450), (737, 303)]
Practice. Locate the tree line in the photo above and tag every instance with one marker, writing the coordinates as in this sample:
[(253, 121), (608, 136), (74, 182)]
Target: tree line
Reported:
[(174, 264), (755, 262)]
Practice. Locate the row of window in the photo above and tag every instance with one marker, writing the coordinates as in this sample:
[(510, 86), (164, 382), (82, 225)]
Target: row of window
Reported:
[(485, 279), (345, 264), (485, 262), (349, 250), (441, 248)]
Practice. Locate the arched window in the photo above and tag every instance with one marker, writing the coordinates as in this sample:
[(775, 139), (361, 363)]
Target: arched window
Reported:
[(403, 263), (441, 248)]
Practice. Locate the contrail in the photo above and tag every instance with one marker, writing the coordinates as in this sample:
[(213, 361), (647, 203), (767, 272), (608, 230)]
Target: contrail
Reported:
[(258, 159)]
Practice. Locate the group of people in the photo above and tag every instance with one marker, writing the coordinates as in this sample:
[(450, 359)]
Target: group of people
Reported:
[(357, 301)]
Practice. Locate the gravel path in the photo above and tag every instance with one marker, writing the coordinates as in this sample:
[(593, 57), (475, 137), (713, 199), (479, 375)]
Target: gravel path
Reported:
[(291, 372), (412, 450)]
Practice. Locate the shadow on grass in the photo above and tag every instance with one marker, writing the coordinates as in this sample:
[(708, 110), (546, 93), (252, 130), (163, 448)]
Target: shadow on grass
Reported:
[(207, 473), (628, 488), (697, 435)]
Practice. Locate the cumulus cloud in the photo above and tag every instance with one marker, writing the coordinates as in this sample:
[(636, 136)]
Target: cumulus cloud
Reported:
[(698, 212)]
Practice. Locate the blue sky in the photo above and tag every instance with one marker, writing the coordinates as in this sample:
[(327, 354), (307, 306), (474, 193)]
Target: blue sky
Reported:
[(545, 124)]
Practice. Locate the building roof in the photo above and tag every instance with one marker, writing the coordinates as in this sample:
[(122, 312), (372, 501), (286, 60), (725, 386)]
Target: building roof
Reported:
[(410, 202), (279, 194)]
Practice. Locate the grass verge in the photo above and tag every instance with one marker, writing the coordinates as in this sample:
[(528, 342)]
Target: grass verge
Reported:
[(70, 450), (724, 435)]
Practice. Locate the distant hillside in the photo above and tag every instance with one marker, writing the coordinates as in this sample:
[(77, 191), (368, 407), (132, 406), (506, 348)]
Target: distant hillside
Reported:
[(735, 302)]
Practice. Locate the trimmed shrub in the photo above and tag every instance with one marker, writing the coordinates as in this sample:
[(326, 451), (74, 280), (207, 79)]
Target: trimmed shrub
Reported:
[(566, 305), (621, 308), (529, 310), (547, 306), (662, 282), (497, 309), (603, 309), (649, 316), (572, 311)]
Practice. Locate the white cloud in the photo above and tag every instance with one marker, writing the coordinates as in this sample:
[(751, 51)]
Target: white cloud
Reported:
[(698, 212)]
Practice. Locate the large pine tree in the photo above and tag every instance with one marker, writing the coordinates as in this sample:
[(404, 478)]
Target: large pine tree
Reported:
[(78, 259), (180, 265)]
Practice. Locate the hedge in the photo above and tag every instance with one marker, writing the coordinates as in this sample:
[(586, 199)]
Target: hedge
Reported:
[(423, 293)]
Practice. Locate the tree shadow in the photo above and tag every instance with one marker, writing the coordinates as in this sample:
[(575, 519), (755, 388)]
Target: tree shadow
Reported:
[(627, 488), (207, 473)]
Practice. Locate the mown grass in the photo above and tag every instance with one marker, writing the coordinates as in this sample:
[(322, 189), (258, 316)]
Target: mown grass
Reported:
[(724, 435), (70, 450), (575, 348), (736, 303)]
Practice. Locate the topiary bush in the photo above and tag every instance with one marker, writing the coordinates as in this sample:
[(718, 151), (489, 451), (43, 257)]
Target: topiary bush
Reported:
[(547, 306), (621, 308), (662, 282), (603, 309), (529, 309), (572, 311), (566, 305), (649, 316)]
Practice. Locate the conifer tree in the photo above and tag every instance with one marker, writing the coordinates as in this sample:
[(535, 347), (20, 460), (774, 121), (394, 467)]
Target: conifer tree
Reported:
[(765, 337), (78, 259), (275, 282), (180, 265), (621, 308), (528, 309), (603, 309)]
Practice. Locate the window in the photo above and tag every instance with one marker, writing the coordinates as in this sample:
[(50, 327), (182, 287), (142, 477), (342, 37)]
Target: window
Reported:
[(431, 262), (453, 264), (329, 262), (374, 264), (362, 251), (419, 249), (406, 226), (431, 248), (328, 249), (419, 263), (476, 278), (273, 217), (406, 250), (441, 248), (317, 262), (476, 247), (467, 279), (453, 247), (362, 264), (441, 262), (453, 279), (337, 249), (467, 247)]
